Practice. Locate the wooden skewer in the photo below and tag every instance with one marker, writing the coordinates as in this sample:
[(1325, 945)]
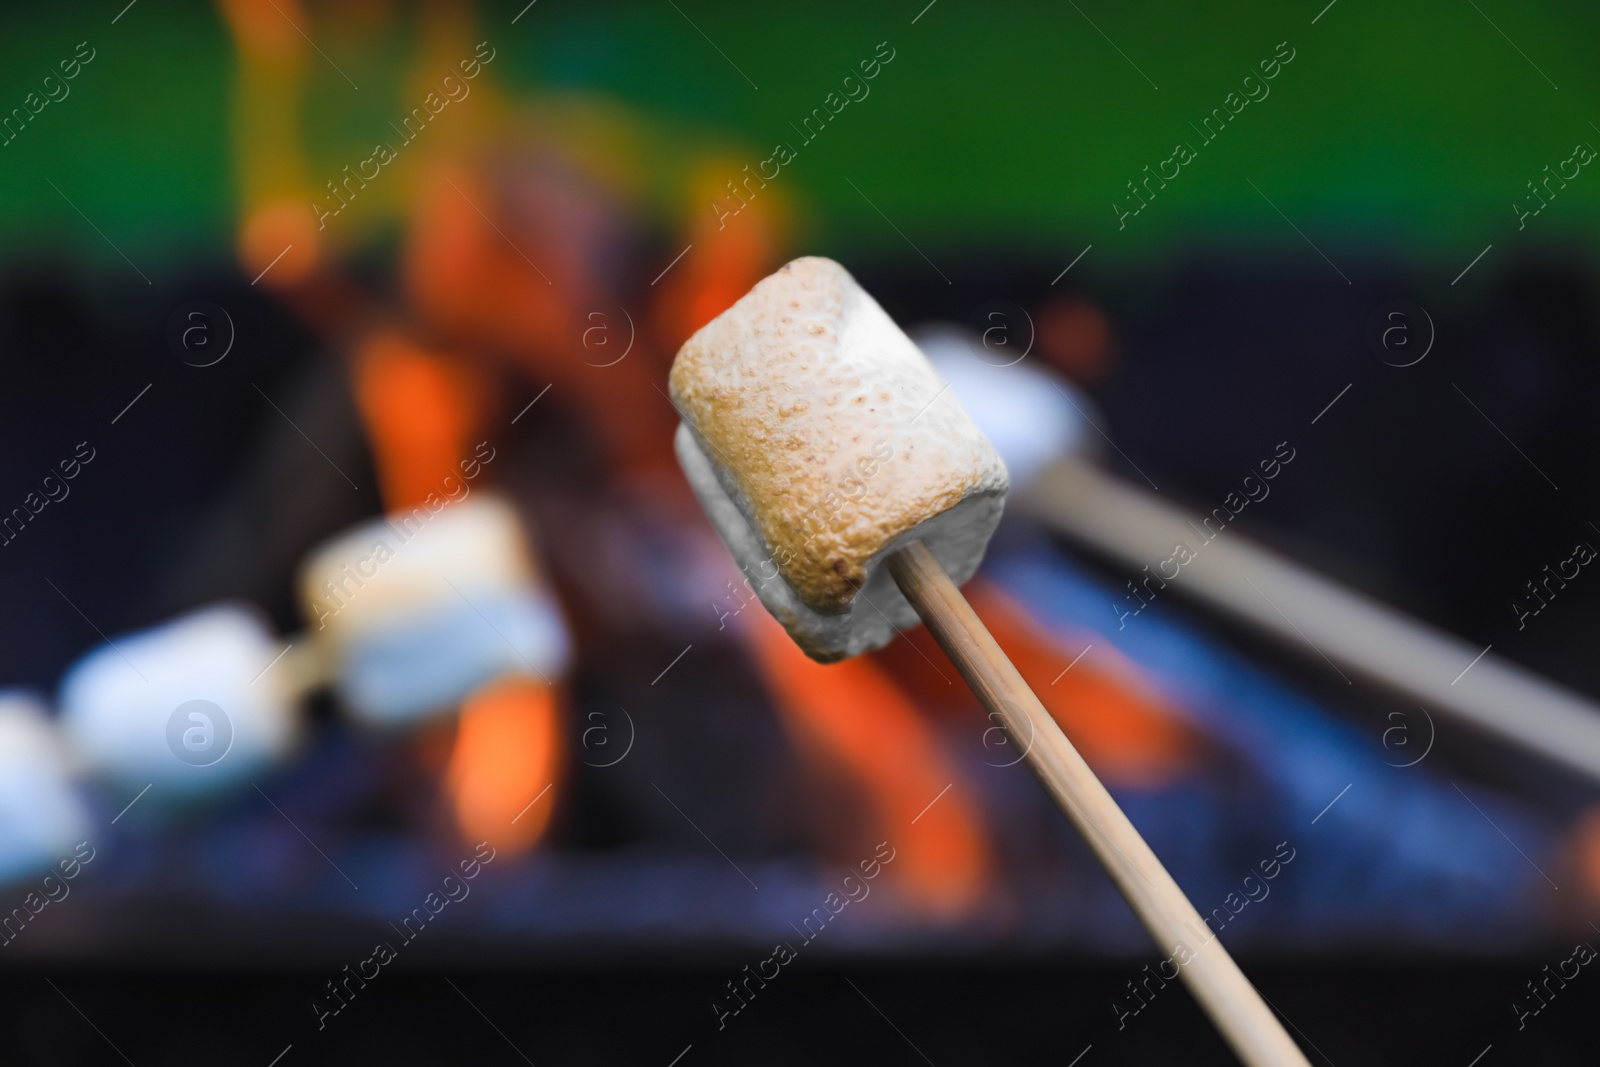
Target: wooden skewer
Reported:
[(1235, 1007), (1356, 632)]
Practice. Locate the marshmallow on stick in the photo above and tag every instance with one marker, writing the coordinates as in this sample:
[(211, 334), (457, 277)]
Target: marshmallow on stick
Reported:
[(413, 611), (834, 462), (819, 441), (1045, 429)]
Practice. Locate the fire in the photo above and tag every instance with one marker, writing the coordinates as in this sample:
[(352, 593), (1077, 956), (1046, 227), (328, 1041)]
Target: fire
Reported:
[(852, 724), (508, 753)]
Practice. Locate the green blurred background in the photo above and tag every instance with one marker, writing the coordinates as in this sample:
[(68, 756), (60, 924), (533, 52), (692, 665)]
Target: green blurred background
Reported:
[(1406, 130)]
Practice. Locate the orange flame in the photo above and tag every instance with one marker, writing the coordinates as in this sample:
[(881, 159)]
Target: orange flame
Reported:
[(420, 410), (507, 755), (850, 718), (1121, 725)]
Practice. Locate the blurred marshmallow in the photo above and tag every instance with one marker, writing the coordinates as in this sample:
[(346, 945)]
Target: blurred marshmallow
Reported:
[(41, 815), (1031, 416), (416, 610), (189, 706)]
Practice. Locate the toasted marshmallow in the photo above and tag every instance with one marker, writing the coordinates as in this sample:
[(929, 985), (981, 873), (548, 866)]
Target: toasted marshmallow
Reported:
[(819, 440), (193, 706), (414, 611)]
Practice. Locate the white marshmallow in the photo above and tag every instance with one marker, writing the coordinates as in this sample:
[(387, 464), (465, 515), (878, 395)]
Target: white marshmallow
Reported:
[(41, 814), (416, 610), (190, 706), (1031, 415)]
